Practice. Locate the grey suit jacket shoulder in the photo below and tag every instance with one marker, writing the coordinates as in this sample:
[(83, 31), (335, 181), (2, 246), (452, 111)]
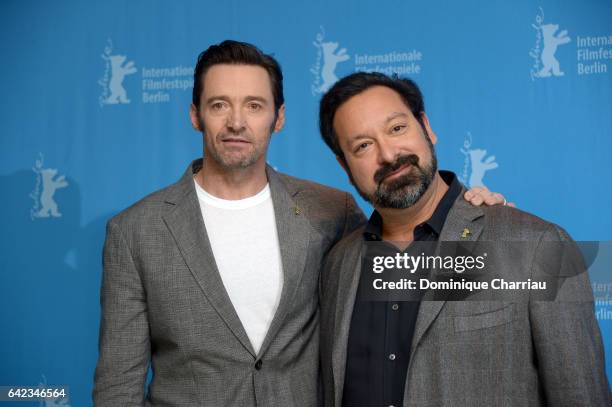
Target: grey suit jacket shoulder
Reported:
[(482, 353), (164, 303)]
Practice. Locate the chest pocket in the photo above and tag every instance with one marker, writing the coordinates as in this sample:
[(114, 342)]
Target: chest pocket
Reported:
[(485, 320)]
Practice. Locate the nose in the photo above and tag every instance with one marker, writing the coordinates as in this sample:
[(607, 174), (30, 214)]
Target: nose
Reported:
[(235, 120), (387, 152)]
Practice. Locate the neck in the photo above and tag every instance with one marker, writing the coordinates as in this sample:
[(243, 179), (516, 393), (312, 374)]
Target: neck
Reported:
[(234, 184), (398, 224)]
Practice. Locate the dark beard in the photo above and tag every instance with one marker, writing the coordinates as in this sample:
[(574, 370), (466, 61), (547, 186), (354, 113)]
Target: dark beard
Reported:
[(407, 189)]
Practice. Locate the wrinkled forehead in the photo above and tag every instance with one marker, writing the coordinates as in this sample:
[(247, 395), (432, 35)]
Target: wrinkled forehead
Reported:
[(369, 111), (237, 81)]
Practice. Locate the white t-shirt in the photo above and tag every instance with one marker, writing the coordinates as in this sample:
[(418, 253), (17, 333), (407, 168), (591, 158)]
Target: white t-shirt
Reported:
[(244, 241)]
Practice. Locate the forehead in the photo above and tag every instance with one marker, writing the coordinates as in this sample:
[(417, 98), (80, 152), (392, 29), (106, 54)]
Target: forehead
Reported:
[(368, 109), (237, 80)]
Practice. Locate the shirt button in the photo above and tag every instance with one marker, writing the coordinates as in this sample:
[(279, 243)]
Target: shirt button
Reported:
[(395, 307), (258, 364), (392, 356)]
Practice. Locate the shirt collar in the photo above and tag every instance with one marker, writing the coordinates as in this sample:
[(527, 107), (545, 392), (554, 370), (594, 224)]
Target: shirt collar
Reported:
[(373, 230)]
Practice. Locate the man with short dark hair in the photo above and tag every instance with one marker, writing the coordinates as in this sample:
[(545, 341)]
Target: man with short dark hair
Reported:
[(425, 350), (214, 279)]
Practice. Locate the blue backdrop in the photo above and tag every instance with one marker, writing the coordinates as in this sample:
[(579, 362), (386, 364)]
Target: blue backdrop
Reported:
[(95, 103)]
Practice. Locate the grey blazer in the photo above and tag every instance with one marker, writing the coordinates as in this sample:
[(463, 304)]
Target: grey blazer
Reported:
[(163, 301), (481, 353)]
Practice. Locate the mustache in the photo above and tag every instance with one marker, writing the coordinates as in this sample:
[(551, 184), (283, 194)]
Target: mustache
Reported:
[(242, 134), (387, 169)]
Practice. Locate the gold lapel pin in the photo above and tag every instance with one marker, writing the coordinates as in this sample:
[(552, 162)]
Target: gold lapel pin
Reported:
[(297, 210), (466, 233)]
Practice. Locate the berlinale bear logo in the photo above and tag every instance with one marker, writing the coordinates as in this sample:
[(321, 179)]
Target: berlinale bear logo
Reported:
[(328, 58), (551, 42), (44, 191), (116, 70), (476, 164), (545, 63)]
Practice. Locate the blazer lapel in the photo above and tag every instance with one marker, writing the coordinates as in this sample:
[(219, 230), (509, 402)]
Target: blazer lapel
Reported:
[(293, 230), (462, 215), (187, 227), (347, 284)]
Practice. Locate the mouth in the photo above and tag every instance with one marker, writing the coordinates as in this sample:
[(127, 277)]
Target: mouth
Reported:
[(397, 172), (238, 141)]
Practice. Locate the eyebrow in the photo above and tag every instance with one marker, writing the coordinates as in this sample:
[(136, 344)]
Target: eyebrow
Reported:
[(395, 115), (358, 137), (227, 99), (391, 117)]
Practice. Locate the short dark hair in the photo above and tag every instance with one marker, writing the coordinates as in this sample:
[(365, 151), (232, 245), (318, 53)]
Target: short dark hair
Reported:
[(237, 53), (356, 83)]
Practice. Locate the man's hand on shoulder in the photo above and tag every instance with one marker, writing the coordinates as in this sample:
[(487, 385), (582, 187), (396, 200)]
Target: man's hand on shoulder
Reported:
[(481, 195)]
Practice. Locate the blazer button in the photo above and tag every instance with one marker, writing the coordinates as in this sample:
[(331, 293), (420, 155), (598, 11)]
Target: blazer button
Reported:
[(258, 364)]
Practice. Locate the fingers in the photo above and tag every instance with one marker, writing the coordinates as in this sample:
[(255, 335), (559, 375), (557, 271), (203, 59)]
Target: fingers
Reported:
[(479, 195), (474, 192), (494, 198), (474, 197)]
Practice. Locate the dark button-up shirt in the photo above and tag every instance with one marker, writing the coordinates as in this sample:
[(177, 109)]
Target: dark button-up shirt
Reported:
[(381, 332)]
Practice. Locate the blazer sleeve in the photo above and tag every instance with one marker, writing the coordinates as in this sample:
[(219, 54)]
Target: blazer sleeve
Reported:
[(566, 336), (124, 346), (354, 215)]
